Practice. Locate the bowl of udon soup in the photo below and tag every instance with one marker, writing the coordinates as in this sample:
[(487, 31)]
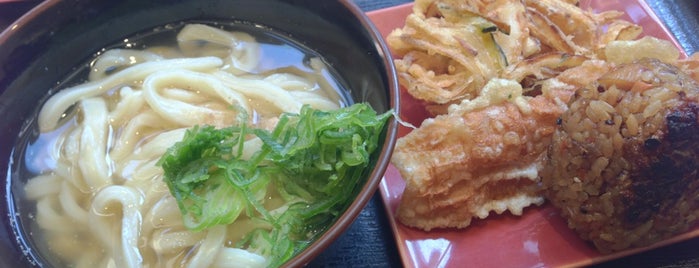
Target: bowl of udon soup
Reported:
[(218, 133)]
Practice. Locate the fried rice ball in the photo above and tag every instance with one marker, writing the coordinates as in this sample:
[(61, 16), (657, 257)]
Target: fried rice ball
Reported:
[(622, 167)]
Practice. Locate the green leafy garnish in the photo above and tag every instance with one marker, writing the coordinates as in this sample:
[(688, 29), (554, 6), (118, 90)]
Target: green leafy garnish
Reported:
[(315, 161)]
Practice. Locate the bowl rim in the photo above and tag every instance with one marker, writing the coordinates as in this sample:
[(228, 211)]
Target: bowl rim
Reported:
[(371, 185)]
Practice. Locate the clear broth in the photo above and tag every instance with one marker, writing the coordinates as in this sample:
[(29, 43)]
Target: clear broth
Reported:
[(30, 158)]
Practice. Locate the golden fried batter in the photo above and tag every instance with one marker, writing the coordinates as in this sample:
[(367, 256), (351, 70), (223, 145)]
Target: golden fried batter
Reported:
[(483, 156), (448, 49), (497, 74)]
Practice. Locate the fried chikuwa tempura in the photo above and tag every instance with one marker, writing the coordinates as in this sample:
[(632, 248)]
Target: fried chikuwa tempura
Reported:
[(496, 76), (484, 155)]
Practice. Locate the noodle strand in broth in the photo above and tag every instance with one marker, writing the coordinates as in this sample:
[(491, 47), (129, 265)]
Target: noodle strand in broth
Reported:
[(102, 200)]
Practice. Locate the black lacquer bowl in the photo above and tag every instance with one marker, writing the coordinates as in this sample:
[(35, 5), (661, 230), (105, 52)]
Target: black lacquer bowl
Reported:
[(47, 43)]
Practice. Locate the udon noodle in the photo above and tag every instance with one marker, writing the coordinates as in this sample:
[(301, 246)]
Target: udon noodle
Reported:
[(101, 201)]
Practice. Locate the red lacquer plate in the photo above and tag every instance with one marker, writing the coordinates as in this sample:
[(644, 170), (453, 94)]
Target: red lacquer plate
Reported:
[(538, 238)]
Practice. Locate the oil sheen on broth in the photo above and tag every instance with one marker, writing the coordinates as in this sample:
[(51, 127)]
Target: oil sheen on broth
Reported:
[(90, 192)]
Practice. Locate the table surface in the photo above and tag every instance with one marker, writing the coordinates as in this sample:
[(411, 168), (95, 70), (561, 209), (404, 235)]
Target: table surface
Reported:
[(369, 242)]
